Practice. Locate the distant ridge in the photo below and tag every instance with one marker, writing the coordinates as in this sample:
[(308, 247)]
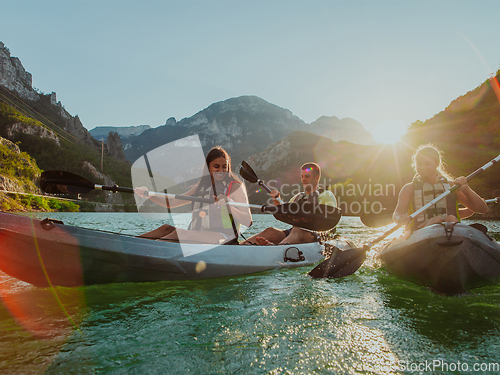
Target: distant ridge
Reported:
[(123, 131), (244, 126), (337, 130)]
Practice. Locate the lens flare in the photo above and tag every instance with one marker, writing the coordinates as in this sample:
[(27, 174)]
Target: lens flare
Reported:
[(26, 256), (495, 86)]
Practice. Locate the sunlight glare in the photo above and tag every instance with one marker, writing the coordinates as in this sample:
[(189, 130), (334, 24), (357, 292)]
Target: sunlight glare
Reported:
[(389, 131)]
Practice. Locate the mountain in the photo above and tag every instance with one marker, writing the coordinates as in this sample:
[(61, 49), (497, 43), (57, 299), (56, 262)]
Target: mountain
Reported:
[(14, 77), (243, 126), (468, 131), (122, 131), (354, 172), (270, 138), (42, 128), (18, 82), (346, 129)]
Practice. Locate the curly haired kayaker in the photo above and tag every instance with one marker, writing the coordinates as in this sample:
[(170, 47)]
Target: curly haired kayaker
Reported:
[(430, 180)]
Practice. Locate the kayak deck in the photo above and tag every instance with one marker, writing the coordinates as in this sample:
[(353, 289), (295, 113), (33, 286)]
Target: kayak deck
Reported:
[(448, 263), (47, 252)]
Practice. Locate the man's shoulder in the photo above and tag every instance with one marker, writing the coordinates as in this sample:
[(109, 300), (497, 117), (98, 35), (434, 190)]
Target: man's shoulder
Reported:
[(292, 199), (328, 198), (325, 193)]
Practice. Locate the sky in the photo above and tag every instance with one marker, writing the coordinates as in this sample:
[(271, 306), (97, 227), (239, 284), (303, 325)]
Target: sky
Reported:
[(385, 64)]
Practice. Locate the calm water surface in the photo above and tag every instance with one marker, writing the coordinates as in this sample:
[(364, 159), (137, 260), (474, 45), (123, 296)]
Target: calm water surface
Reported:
[(276, 322)]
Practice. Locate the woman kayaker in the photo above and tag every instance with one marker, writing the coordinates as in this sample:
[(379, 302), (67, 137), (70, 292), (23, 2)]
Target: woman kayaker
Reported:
[(431, 180), (211, 223)]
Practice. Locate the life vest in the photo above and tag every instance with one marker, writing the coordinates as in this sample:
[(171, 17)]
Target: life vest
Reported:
[(302, 196), (210, 217), (320, 196), (423, 193)]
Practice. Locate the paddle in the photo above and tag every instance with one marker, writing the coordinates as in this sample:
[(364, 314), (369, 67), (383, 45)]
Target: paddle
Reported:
[(379, 219), (61, 182), (383, 218), (248, 174), (307, 215), (345, 263)]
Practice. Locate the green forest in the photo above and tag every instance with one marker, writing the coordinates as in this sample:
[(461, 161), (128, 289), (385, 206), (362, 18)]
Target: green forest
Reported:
[(21, 170)]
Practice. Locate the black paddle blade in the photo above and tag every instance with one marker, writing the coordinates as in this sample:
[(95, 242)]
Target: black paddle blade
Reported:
[(247, 173), (374, 220), (61, 182), (340, 264), (307, 215)]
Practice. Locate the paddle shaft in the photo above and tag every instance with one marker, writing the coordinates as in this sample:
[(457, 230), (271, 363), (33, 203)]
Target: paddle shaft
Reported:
[(202, 200), (381, 219), (57, 182), (434, 201), (250, 175), (90, 185), (261, 183)]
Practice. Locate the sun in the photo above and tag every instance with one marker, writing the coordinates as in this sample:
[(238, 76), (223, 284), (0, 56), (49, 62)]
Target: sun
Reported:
[(389, 131)]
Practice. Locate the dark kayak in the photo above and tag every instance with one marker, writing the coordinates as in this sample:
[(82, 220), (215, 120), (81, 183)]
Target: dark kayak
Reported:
[(448, 259), (44, 252)]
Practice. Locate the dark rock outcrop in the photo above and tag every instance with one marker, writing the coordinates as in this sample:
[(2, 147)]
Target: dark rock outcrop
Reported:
[(114, 145)]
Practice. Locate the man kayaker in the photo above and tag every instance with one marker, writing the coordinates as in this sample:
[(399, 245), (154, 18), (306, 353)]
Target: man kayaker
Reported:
[(431, 180), (211, 223), (310, 174)]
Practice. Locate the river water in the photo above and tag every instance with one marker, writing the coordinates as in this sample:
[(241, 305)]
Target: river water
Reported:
[(275, 322)]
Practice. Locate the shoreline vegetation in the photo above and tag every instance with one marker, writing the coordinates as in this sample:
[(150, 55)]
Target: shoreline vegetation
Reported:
[(21, 202), (25, 202)]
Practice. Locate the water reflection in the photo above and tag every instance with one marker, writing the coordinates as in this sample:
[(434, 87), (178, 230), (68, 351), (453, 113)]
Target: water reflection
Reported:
[(273, 322)]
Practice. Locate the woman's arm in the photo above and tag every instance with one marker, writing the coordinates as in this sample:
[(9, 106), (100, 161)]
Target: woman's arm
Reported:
[(469, 198), (164, 201), (464, 213), (400, 212)]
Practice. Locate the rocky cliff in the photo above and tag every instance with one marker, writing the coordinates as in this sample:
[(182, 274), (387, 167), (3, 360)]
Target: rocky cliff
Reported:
[(37, 131), (243, 126), (109, 197), (14, 77), (17, 169), (114, 145), (17, 80)]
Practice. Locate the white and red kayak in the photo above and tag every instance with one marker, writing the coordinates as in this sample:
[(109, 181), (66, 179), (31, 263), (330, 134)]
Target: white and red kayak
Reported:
[(45, 252)]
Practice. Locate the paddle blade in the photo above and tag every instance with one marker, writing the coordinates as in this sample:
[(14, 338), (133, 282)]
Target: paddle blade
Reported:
[(247, 173), (61, 182), (374, 220), (307, 215), (340, 264)]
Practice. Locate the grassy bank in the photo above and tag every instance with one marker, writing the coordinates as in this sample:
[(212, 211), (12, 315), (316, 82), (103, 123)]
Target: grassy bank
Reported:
[(13, 202), (29, 202)]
